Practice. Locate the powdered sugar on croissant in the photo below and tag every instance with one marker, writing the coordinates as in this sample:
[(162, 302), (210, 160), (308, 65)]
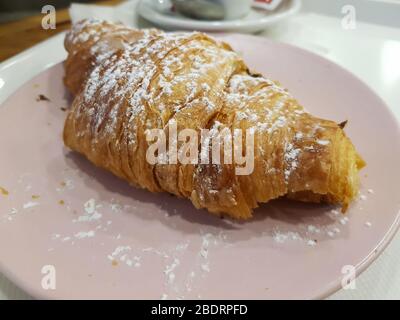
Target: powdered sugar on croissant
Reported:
[(127, 82)]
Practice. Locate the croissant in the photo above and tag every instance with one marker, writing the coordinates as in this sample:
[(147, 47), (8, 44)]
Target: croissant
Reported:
[(126, 82)]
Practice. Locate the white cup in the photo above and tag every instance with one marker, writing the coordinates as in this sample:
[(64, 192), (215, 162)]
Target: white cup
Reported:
[(235, 9), (213, 9)]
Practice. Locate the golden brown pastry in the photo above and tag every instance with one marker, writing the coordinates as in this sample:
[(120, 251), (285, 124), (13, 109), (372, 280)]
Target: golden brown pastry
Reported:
[(128, 81)]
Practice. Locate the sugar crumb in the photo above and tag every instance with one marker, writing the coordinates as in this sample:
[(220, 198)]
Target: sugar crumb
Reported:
[(311, 243), (30, 204)]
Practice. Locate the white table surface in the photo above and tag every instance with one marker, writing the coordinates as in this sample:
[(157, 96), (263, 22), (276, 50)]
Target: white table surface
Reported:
[(371, 51)]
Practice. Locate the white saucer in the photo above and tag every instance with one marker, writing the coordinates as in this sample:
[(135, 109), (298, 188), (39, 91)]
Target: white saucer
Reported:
[(256, 20)]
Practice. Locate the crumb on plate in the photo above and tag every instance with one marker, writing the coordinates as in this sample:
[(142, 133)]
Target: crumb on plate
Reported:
[(42, 97), (4, 192)]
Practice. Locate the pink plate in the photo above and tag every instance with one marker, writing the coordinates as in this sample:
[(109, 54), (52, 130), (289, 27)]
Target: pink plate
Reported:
[(63, 219)]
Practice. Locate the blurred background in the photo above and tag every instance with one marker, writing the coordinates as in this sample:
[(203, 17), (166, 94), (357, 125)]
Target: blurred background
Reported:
[(17, 9), (20, 22)]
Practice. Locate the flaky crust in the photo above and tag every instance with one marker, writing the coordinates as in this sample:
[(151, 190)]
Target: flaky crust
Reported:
[(126, 81)]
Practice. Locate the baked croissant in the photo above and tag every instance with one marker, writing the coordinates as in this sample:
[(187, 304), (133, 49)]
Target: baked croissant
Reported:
[(127, 81)]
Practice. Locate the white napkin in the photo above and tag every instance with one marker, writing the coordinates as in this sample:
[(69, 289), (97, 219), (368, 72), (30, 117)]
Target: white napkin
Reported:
[(124, 13)]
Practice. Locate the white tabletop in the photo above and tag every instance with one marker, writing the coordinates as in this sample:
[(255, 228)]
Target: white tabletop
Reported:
[(371, 51)]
